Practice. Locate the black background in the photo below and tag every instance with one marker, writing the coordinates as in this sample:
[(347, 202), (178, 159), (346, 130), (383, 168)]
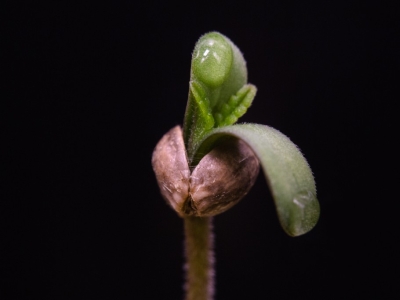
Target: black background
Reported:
[(91, 88)]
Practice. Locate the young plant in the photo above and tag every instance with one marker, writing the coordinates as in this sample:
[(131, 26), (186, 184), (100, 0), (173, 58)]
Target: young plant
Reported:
[(209, 166)]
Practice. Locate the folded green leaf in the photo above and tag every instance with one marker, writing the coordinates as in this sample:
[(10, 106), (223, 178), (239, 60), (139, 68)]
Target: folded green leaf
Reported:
[(288, 174), (236, 107), (218, 94)]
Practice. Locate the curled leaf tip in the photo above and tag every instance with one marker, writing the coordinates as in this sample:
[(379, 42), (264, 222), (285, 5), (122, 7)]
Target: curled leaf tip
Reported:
[(212, 59), (288, 174)]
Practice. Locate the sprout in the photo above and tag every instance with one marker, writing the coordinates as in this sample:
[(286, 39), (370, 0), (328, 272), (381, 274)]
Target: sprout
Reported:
[(213, 163)]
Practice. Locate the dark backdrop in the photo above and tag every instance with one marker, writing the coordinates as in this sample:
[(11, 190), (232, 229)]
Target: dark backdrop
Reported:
[(91, 88)]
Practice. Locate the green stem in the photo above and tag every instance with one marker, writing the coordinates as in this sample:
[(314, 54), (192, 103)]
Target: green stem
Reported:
[(199, 255)]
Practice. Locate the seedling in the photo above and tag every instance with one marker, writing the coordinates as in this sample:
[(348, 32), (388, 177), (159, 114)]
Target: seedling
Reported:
[(212, 163)]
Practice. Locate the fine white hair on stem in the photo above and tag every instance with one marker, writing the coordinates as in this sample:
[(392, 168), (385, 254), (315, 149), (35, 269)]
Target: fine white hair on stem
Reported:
[(199, 253)]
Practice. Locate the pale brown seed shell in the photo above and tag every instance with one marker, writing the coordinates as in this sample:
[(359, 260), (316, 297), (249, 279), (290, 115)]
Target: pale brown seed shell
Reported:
[(223, 177), (220, 180), (171, 168)]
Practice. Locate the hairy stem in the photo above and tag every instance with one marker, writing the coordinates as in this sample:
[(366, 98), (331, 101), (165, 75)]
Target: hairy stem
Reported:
[(199, 255)]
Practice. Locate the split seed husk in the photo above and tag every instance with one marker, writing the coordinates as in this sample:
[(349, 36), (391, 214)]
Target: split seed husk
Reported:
[(220, 180)]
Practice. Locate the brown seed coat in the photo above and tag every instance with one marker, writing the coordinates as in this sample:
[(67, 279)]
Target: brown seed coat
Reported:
[(219, 181)]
